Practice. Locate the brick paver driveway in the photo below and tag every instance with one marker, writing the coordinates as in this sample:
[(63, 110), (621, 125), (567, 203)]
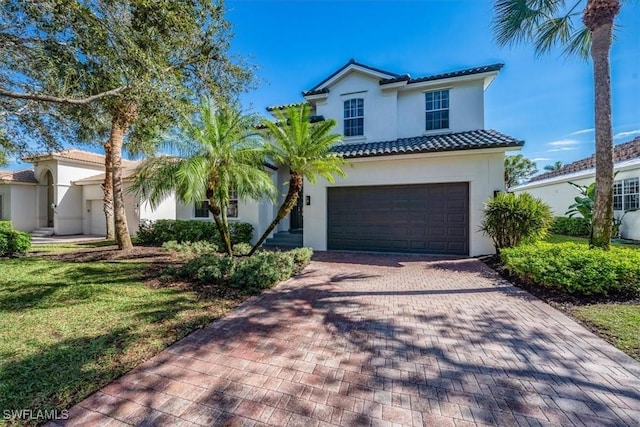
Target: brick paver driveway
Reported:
[(376, 340)]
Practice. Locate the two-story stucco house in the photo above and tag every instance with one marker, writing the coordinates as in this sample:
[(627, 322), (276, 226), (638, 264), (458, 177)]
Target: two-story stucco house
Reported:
[(420, 167)]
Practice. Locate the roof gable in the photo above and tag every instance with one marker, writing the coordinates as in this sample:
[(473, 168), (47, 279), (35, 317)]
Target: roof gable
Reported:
[(350, 66), (621, 152)]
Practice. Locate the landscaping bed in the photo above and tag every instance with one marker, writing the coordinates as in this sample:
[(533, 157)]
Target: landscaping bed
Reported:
[(75, 317), (614, 315)]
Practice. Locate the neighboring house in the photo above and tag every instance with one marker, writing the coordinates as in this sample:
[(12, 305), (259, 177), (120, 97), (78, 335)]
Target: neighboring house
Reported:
[(420, 168), (554, 188)]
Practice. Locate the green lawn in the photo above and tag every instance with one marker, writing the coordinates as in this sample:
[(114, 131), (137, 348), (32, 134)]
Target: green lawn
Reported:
[(618, 323), (69, 328)]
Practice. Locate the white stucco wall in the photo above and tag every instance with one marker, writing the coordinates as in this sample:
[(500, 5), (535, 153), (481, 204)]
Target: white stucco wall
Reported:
[(19, 205), (379, 107), (391, 113), (23, 207), (482, 169), (558, 194), (466, 109)]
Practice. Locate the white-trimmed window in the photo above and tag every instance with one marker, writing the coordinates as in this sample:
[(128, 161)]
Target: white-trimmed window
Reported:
[(354, 117), (201, 209), (437, 110), (617, 196), (626, 194)]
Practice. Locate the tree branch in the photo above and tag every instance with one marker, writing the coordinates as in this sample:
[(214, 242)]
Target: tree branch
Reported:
[(61, 100)]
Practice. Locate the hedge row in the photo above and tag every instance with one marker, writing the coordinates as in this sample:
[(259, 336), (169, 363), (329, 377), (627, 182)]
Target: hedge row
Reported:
[(159, 232), (13, 242), (573, 268), (576, 226), (249, 274)]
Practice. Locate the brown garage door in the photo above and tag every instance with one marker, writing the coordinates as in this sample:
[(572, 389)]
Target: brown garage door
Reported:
[(425, 218)]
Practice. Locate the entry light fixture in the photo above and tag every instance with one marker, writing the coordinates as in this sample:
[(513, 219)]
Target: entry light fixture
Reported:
[(307, 200)]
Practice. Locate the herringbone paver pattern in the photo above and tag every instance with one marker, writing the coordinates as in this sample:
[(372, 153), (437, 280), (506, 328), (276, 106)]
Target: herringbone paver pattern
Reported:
[(381, 340)]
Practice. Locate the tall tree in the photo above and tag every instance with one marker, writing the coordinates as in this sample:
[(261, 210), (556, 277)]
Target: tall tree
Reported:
[(556, 166), (547, 23), (303, 147), (139, 64), (518, 169), (220, 152)]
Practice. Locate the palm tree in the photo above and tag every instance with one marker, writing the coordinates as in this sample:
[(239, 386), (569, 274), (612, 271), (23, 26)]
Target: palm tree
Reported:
[(550, 22), (517, 169), (554, 167), (219, 153), (304, 148)]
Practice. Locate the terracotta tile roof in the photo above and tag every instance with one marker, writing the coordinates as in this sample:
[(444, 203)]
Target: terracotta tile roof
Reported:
[(470, 140), (621, 152), (25, 176), (460, 73), (75, 155)]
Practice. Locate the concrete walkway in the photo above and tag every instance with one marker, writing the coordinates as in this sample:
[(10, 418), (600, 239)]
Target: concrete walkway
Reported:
[(381, 340), (75, 238)]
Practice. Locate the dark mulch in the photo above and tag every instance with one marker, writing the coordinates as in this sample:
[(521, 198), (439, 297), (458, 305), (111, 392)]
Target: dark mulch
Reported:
[(146, 254)]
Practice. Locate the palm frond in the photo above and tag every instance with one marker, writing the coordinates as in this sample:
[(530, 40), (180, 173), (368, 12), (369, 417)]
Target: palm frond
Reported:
[(545, 23), (579, 44)]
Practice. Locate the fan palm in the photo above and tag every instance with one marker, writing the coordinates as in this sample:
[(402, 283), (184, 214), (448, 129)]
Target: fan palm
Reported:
[(556, 166), (218, 154), (551, 22), (303, 147)]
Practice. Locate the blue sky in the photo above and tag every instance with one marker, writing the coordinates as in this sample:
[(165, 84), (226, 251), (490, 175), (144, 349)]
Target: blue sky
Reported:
[(547, 101)]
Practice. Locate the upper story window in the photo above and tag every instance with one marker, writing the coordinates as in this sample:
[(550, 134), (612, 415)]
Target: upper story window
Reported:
[(354, 117), (437, 109), (625, 194), (201, 209)]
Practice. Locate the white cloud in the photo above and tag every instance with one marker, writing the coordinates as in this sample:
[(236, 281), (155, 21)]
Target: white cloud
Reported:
[(563, 142), (625, 134), (555, 150), (580, 132), (541, 159)]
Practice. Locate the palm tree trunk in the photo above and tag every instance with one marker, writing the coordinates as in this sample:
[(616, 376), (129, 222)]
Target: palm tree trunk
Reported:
[(223, 228), (598, 17), (123, 115), (107, 188), (295, 185)]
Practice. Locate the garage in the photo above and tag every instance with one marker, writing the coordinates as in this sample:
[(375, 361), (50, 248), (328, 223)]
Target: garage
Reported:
[(420, 218), (98, 222)]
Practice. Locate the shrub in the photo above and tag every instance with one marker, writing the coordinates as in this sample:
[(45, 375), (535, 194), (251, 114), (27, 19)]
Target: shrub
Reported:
[(511, 219), (13, 242), (262, 271), (301, 257), (249, 274), (207, 269), (165, 230), (188, 249), (571, 226), (574, 268), (241, 249)]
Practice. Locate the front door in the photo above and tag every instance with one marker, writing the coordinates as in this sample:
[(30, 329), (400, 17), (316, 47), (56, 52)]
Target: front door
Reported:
[(295, 217)]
